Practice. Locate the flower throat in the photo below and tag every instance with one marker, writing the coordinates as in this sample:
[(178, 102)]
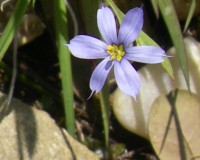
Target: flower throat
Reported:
[(115, 52)]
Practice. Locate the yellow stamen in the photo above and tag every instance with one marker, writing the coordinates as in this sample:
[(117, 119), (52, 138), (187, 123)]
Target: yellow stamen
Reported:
[(116, 52)]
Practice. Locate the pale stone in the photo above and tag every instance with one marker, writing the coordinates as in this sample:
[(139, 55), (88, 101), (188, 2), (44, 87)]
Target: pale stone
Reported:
[(27, 133)]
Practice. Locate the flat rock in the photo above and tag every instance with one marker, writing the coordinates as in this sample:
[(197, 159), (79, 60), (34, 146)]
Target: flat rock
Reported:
[(27, 133)]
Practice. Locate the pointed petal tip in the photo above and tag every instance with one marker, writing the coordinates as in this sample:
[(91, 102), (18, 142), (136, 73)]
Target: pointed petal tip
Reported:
[(99, 75), (134, 96), (90, 95), (134, 99), (67, 44)]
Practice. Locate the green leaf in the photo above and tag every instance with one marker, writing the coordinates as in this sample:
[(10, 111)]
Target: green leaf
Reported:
[(12, 25), (89, 16), (190, 14), (143, 38), (64, 57), (155, 7), (168, 12), (117, 11)]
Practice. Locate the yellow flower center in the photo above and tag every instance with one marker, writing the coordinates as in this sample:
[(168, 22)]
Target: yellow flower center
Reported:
[(115, 52)]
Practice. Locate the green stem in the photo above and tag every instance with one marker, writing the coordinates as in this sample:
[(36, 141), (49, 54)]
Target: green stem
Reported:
[(104, 94), (12, 25)]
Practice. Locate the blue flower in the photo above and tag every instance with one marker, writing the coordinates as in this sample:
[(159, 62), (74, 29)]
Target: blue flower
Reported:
[(116, 50)]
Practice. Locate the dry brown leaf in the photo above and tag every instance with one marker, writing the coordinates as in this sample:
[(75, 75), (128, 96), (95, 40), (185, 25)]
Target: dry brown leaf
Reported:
[(174, 126), (155, 81)]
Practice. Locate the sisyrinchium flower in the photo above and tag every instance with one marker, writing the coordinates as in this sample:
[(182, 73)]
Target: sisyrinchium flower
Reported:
[(116, 51)]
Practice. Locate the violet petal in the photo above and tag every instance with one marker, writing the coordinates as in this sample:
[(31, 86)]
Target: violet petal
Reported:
[(107, 25), (100, 74), (145, 54), (127, 78), (87, 47), (131, 26)]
